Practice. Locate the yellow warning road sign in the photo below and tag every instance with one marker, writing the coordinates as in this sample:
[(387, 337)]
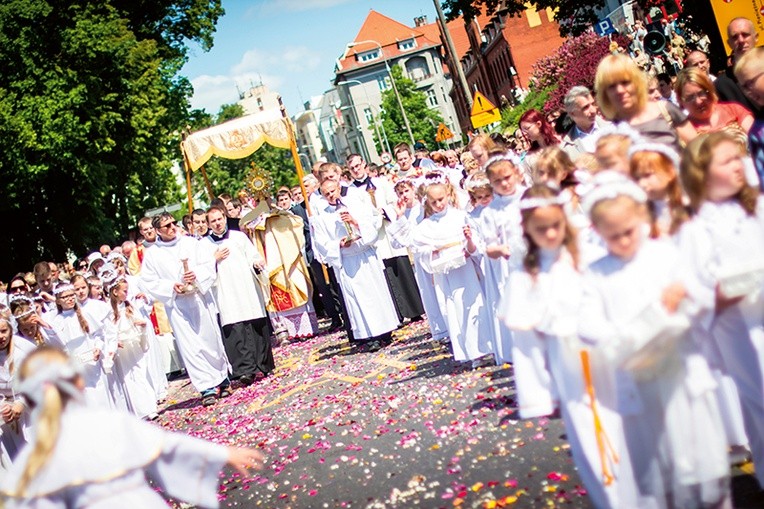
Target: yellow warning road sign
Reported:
[(481, 104), (483, 111), (444, 133)]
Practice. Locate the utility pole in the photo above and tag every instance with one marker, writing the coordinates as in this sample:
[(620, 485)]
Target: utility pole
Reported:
[(454, 57)]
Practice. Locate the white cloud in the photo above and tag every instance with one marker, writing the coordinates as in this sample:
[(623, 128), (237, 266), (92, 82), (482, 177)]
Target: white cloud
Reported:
[(274, 69)]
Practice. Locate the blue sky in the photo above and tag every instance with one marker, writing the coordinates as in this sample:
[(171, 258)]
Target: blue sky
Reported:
[(291, 44)]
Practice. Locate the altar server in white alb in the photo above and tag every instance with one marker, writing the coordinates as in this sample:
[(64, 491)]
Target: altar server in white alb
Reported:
[(344, 236), (81, 334), (398, 271), (636, 313), (179, 272), (246, 328), (724, 245), (14, 416), (80, 456)]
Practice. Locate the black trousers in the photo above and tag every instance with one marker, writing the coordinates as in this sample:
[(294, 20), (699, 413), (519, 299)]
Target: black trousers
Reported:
[(402, 283), (248, 347)]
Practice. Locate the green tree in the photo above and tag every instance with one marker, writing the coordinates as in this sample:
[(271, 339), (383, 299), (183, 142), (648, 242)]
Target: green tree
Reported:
[(230, 175), (574, 16), (422, 119), (90, 104)]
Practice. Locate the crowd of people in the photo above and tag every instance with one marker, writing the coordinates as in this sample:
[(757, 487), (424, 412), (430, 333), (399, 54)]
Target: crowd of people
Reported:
[(614, 261)]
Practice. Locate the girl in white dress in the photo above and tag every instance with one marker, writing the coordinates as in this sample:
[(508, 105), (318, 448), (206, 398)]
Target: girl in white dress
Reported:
[(31, 326), (723, 244), (159, 349), (81, 334), (636, 315), (548, 356), (502, 236), (80, 456), (445, 243), (13, 411), (409, 209), (654, 166), (129, 330)]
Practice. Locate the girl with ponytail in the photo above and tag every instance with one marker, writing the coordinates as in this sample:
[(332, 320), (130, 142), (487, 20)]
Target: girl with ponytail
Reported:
[(81, 456), (129, 330)]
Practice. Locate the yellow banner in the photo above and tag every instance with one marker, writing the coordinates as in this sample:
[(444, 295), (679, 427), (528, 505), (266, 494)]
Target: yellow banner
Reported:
[(727, 10)]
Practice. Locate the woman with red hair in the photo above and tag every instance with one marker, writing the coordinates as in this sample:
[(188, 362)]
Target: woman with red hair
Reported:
[(537, 130)]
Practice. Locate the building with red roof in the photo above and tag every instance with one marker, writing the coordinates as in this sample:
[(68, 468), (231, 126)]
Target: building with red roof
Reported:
[(361, 75)]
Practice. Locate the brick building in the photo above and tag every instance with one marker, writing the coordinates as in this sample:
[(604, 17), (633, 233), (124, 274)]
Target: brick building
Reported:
[(497, 54)]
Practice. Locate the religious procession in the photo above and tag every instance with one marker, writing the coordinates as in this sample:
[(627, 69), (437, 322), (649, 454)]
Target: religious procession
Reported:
[(609, 254)]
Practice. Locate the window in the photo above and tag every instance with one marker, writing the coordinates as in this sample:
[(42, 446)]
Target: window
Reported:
[(406, 45), (368, 55), (432, 98), (383, 81), (368, 115)]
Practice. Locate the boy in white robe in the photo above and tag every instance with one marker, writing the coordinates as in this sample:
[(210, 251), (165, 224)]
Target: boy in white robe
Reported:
[(344, 236), (246, 330), (186, 294)]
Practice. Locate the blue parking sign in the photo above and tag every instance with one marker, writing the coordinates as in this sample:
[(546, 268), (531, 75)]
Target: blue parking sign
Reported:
[(604, 27)]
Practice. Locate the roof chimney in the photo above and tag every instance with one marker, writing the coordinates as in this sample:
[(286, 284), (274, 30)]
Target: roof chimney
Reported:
[(420, 21)]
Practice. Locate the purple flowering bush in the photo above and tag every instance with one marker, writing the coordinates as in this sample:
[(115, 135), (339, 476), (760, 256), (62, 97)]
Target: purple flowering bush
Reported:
[(574, 63)]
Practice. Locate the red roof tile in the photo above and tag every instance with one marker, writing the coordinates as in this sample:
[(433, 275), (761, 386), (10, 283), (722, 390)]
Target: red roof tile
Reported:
[(387, 32)]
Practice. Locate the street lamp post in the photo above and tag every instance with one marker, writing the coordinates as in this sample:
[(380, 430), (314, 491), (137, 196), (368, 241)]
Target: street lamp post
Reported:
[(363, 148), (392, 81), (368, 101)]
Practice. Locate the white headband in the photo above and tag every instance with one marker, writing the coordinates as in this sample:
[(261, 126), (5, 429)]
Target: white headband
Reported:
[(508, 156), (115, 255), (435, 177), (473, 182), (621, 128), (665, 150), (20, 298), (110, 277), (537, 203), (610, 185), (64, 287)]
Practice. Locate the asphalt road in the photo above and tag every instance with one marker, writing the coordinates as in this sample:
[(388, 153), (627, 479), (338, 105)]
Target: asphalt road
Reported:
[(405, 426)]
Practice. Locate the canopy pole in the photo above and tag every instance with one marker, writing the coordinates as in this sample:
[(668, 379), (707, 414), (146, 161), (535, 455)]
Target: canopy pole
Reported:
[(295, 154), (188, 179), (207, 184)]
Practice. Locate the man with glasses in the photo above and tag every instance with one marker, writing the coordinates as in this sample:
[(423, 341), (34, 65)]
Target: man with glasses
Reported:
[(179, 272), (159, 318)]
